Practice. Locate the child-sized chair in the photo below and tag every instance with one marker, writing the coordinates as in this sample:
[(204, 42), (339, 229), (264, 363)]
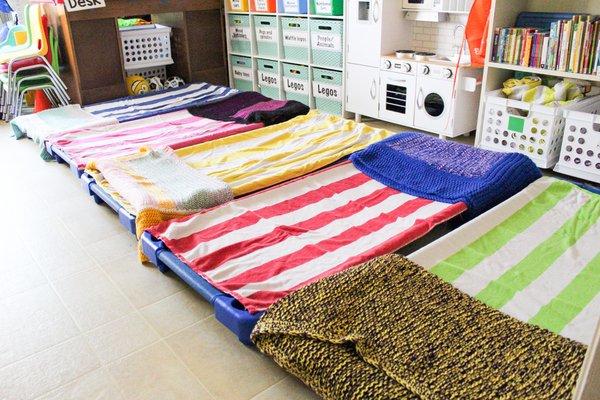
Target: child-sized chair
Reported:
[(28, 69)]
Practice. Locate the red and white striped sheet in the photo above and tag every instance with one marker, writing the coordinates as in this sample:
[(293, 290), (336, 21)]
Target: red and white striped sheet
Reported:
[(264, 246), (176, 130)]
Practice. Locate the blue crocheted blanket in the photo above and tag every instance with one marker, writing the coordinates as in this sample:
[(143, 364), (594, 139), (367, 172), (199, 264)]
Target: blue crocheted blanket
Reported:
[(446, 171)]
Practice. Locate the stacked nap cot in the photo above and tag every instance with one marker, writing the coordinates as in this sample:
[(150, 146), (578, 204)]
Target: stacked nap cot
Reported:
[(502, 307), (246, 254), (215, 117), (40, 126)]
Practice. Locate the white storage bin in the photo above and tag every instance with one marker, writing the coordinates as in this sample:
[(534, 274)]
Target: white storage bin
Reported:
[(146, 47), (150, 72), (530, 129), (580, 151)]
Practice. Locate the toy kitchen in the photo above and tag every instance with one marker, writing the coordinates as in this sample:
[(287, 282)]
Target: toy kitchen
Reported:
[(406, 64)]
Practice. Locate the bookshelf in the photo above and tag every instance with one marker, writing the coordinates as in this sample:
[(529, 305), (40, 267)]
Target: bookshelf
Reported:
[(280, 58), (504, 13)]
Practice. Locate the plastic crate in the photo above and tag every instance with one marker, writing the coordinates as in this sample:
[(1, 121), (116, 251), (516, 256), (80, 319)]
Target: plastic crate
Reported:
[(326, 37), (146, 47), (267, 34), (294, 36), (241, 69), (530, 129), (292, 6), (150, 72), (327, 7), (296, 85), (327, 90), (240, 34), (580, 151), (266, 6), (269, 78), (238, 5)]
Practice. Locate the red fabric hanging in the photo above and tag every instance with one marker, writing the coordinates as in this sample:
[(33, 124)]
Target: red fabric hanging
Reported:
[(476, 30)]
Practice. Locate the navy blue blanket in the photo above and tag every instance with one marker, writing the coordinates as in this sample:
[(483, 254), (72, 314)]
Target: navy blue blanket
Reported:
[(445, 171)]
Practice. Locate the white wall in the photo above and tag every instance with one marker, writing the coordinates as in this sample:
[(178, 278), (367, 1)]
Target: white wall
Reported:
[(438, 37)]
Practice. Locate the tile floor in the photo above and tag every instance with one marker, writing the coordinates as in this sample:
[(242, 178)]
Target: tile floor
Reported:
[(80, 318)]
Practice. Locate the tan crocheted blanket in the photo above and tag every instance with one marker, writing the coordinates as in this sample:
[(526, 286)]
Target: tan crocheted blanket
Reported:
[(389, 329)]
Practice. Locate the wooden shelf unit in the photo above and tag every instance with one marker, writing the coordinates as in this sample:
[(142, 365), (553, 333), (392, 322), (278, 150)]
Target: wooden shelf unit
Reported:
[(504, 13), (90, 44), (280, 59)]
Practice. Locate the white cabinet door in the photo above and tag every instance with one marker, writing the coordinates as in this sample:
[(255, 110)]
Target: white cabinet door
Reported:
[(362, 90), (363, 32), (397, 98)]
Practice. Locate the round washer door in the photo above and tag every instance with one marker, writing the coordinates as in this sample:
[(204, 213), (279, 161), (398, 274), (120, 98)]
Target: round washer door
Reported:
[(434, 104)]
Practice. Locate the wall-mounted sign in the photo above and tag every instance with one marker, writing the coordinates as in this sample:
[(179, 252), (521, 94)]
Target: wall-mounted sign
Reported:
[(80, 5)]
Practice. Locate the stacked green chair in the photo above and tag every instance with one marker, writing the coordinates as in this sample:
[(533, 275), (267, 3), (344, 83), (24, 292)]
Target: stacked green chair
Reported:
[(26, 66)]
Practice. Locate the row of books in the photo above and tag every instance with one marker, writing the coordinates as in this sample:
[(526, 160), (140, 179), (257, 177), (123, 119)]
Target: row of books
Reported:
[(571, 45)]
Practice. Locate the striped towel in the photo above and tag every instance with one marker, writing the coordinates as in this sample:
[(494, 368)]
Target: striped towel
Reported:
[(176, 129), (535, 257), (264, 246), (135, 107), (41, 125), (251, 161)]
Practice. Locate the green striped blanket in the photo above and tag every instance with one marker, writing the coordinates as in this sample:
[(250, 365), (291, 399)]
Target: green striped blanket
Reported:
[(535, 257)]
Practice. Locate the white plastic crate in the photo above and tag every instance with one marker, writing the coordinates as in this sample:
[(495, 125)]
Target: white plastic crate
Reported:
[(150, 72), (146, 47), (530, 129), (580, 151)]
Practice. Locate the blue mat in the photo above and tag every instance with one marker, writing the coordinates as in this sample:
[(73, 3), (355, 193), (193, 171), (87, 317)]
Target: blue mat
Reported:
[(445, 171)]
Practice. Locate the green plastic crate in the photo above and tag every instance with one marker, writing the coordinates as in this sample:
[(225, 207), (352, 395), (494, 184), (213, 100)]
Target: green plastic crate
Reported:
[(327, 7), (267, 35), (269, 78), (240, 34), (296, 84), (241, 69), (327, 42), (294, 34), (327, 90)]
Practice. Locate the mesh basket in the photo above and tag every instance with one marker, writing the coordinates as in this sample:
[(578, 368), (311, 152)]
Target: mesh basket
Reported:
[(580, 151), (146, 47), (530, 129)]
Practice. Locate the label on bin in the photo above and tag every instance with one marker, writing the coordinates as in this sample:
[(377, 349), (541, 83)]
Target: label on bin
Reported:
[(291, 6), (296, 85), (295, 38), (326, 41), (241, 33), (268, 79), (326, 91), (236, 4), (242, 73), (261, 5), (266, 34), (323, 6)]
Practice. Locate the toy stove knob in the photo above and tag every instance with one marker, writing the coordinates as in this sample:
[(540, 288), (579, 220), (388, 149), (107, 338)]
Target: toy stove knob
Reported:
[(447, 73), (387, 64), (425, 70), (406, 67)]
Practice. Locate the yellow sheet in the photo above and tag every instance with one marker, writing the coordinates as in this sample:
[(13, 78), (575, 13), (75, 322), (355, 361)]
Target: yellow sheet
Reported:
[(257, 159)]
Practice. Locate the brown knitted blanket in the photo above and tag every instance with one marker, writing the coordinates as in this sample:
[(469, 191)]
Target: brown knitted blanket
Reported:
[(389, 329)]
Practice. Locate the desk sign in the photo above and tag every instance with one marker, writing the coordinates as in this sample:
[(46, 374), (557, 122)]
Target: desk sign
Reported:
[(80, 5)]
